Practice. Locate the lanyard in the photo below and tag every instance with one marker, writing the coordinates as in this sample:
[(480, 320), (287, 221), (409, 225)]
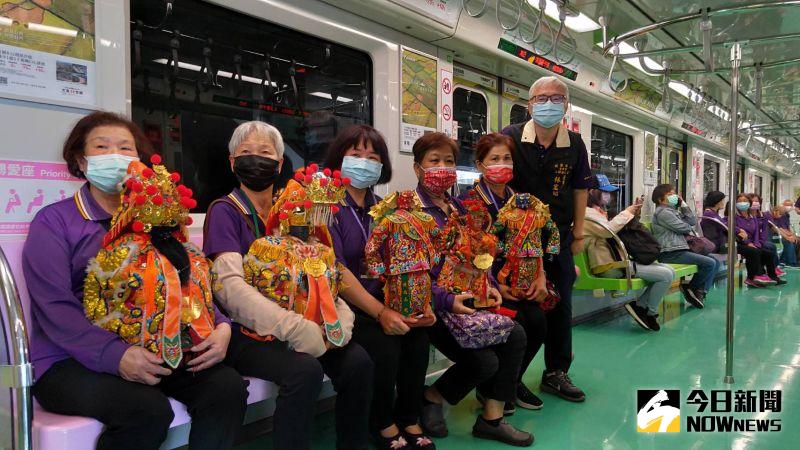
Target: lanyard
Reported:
[(360, 221), (494, 200), (253, 216)]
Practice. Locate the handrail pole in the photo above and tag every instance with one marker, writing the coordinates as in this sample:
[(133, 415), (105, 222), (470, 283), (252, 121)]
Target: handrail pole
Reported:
[(19, 371), (736, 59)]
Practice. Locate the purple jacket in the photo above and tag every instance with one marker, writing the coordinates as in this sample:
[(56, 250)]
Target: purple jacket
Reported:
[(62, 238), (751, 226), (713, 231), (229, 227)]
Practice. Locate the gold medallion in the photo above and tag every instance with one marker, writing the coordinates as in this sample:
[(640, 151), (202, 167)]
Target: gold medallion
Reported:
[(483, 261), (314, 267)]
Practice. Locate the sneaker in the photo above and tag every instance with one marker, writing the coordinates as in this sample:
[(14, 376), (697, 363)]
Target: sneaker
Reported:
[(652, 321), (778, 281), (559, 383), (419, 441), (753, 283), (504, 433), (527, 399), (397, 442), (779, 272), (692, 296), (763, 279), (508, 409), (638, 313), (788, 267), (432, 420)]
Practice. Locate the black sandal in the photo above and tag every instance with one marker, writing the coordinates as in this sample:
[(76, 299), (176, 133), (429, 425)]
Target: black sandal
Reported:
[(396, 442), (419, 441)]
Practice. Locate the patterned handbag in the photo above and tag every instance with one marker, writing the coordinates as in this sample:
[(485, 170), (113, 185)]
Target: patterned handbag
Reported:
[(480, 329)]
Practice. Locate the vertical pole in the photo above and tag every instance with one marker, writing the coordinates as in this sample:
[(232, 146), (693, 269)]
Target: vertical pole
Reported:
[(736, 58)]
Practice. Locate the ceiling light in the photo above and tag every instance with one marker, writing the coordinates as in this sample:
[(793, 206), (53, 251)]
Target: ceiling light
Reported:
[(627, 49), (580, 23), (220, 73), (586, 111), (330, 97)]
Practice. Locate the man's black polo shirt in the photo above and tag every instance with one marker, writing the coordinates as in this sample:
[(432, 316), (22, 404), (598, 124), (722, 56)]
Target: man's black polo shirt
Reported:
[(551, 174)]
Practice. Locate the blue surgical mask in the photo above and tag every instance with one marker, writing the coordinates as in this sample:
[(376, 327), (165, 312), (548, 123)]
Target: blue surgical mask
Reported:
[(106, 172), (673, 200), (742, 206), (548, 114), (363, 172)]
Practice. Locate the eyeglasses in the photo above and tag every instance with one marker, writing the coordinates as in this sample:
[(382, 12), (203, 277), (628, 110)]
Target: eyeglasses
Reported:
[(542, 99)]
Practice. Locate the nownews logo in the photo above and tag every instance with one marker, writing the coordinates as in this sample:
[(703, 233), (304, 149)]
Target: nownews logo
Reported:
[(659, 411)]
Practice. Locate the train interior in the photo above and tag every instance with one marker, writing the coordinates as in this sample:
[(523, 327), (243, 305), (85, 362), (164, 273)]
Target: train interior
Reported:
[(704, 95)]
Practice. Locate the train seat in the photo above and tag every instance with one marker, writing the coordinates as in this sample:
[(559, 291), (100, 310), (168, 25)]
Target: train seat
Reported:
[(58, 432)]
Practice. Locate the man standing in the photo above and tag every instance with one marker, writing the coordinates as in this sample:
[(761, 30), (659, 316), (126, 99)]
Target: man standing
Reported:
[(551, 163)]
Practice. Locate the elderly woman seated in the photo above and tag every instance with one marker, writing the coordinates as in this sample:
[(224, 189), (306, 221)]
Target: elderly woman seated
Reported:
[(604, 261)]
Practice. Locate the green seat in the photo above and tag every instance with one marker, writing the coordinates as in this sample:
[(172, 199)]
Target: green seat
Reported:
[(683, 270), (589, 282)]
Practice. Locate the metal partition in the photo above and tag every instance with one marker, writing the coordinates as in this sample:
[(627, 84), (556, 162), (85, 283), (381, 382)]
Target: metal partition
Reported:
[(16, 372)]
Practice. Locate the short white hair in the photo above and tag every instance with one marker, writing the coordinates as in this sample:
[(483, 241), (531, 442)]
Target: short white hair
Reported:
[(547, 80), (256, 126)]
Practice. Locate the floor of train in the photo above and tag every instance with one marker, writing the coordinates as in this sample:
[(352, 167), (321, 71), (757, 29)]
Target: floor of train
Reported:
[(614, 358)]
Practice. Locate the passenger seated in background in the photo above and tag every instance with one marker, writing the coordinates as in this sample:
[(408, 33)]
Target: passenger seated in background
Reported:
[(764, 220), (82, 369), (756, 257), (782, 220), (713, 231), (672, 222), (603, 260)]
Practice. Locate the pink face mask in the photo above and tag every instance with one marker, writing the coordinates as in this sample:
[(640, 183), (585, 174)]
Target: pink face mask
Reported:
[(499, 173), (437, 180)]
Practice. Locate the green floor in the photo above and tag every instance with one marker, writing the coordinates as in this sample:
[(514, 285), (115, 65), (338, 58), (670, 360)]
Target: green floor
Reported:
[(614, 358)]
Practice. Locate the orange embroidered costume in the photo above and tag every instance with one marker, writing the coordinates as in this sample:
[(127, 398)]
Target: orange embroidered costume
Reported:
[(403, 247), (470, 249), (149, 284), (296, 267), (520, 223)]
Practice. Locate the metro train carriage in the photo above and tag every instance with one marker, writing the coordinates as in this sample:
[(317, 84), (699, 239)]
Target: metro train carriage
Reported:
[(633, 110)]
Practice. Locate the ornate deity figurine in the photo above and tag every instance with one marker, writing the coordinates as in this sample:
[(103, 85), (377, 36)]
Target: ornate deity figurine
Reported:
[(149, 284), (295, 265), (402, 249), (519, 225), (469, 252)]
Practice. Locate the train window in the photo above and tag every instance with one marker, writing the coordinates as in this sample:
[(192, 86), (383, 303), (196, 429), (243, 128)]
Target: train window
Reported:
[(740, 178), (611, 151), (773, 190), (710, 175), (190, 90), (673, 161), (758, 182), (471, 112), (519, 113)]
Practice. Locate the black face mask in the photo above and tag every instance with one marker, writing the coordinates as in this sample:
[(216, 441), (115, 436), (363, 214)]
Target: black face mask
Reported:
[(256, 172)]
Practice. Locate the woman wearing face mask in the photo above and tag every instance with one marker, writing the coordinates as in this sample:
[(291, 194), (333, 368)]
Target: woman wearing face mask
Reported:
[(602, 260), (782, 221), (750, 246), (713, 231), (493, 158), (672, 222), (765, 218), (84, 370), (398, 346), (297, 356), (493, 370)]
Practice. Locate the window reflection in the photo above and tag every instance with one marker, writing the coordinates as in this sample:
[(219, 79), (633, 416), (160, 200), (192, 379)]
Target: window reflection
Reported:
[(471, 113), (611, 151)]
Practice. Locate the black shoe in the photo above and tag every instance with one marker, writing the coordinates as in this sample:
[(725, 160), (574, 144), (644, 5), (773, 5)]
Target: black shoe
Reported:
[(527, 399), (558, 383), (419, 441), (432, 420), (692, 296), (508, 408), (397, 442), (779, 281), (652, 321), (504, 432), (638, 313)]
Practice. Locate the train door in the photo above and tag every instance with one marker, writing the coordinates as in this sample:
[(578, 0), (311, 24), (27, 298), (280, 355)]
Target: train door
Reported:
[(758, 186), (739, 178), (673, 164), (711, 175), (513, 104), (773, 191), (611, 151), (190, 90), (475, 106)]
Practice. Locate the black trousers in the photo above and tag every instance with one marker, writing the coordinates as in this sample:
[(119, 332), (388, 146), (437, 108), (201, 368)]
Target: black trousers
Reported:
[(137, 416), (558, 341), (534, 322), (493, 370), (299, 376), (401, 362), (756, 259)]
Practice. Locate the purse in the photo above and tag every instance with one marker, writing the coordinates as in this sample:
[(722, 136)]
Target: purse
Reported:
[(480, 329), (552, 298), (700, 245)]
